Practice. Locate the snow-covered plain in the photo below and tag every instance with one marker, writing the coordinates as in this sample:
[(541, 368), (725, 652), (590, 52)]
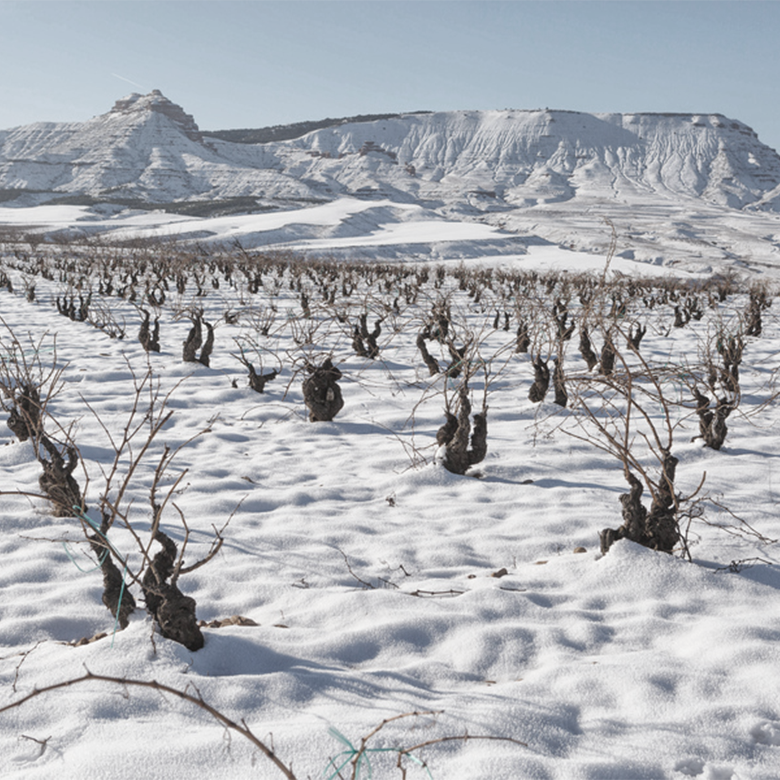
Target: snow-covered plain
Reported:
[(380, 583), (699, 239)]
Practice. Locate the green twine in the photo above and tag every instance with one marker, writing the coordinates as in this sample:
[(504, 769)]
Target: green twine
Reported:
[(80, 514), (75, 562), (34, 352), (677, 379), (352, 751)]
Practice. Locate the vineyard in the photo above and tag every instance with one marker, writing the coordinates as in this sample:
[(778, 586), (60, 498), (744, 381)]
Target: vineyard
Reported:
[(449, 521)]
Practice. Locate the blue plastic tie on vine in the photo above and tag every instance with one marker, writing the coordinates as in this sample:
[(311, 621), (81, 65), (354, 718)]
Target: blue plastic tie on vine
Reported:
[(352, 751), (75, 563), (29, 352), (81, 515)]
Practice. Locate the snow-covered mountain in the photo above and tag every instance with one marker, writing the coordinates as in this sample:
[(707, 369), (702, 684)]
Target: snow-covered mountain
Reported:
[(544, 174), (148, 148)]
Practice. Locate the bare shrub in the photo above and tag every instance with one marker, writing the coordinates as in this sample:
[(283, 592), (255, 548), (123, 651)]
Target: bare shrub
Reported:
[(28, 381), (257, 381), (626, 411)]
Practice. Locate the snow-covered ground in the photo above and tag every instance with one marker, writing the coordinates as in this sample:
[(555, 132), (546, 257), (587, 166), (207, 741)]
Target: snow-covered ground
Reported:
[(695, 239), (346, 226), (380, 583)]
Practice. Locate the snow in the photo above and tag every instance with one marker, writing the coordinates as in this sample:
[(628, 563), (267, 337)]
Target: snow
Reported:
[(238, 226), (61, 216), (695, 241), (372, 572)]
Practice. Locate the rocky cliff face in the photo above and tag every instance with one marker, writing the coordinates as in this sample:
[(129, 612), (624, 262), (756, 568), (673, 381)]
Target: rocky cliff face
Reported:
[(145, 148), (157, 102), (527, 158)]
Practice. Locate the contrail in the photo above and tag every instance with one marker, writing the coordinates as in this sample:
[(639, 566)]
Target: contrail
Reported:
[(116, 75)]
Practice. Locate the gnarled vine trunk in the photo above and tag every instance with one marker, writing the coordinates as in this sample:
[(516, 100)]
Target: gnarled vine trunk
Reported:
[(657, 529), (321, 392), (173, 612)]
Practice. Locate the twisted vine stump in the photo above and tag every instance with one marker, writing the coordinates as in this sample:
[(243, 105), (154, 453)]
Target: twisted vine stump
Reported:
[(173, 612), (321, 393), (454, 436), (657, 529)]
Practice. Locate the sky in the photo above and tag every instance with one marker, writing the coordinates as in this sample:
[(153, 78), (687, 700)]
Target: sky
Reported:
[(256, 63)]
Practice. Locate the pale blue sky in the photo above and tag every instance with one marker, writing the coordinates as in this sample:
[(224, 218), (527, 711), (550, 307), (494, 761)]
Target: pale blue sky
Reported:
[(261, 62)]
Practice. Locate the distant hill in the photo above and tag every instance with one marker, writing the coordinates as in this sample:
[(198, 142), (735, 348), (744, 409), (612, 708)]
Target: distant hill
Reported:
[(147, 148)]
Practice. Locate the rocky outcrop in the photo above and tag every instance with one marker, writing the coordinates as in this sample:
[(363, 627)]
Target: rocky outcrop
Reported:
[(157, 102)]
